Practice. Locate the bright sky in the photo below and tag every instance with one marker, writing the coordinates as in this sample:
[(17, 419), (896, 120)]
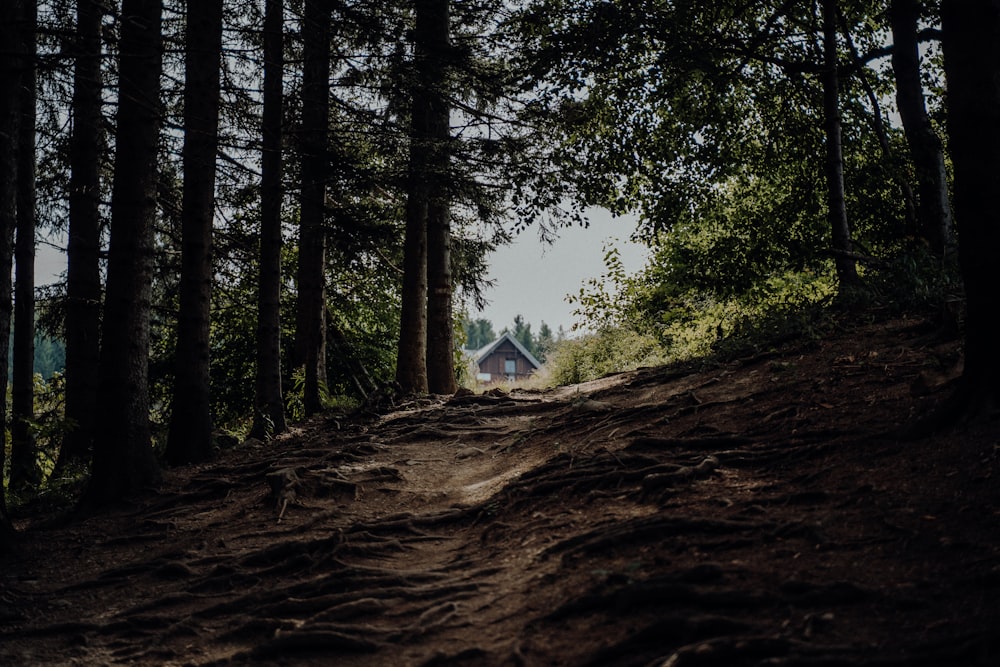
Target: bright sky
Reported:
[(49, 263), (533, 278)]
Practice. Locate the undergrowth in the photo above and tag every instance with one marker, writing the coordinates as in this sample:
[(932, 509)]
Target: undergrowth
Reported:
[(700, 327)]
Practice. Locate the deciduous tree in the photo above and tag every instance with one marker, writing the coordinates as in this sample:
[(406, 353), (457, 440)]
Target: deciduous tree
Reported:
[(847, 271), (933, 205), (971, 40)]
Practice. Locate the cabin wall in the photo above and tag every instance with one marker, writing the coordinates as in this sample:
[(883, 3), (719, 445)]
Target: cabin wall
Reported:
[(495, 365)]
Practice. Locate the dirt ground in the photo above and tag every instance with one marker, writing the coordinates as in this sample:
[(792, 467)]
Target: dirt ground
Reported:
[(757, 512)]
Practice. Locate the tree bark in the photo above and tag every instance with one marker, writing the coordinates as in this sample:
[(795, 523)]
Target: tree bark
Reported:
[(432, 35), (440, 325), (934, 218), (411, 355), (878, 126), (189, 439), (25, 474), (846, 267), (971, 40), (310, 329), (269, 407), (83, 277), (123, 456), (10, 112), (422, 339)]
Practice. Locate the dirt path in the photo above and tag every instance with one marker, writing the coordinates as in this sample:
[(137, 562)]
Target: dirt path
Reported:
[(748, 513)]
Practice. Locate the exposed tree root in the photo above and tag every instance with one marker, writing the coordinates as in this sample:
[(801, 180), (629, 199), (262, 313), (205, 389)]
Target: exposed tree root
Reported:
[(667, 593), (649, 444), (726, 651), (312, 640), (672, 629), (655, 528), (470, 656)]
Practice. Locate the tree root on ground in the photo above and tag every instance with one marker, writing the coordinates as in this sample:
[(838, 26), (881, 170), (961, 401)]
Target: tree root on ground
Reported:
[(651, 529)]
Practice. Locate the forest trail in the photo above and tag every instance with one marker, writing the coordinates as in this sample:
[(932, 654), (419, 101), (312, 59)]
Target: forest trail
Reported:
[(754, 512)]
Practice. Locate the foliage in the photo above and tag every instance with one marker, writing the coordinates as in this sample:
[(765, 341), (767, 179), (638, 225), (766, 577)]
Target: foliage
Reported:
[(698, 327), (706, 118), (595, 355), (48, 427), (914, 277), (544, 342), (478, 333), (522, 333), (50, 355), (682, 306), (294, 398)]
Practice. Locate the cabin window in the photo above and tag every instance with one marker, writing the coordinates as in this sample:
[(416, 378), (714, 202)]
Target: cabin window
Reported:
[(510, 368)]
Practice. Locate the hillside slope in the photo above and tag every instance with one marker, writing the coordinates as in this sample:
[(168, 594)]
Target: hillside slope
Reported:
[(755, 512)]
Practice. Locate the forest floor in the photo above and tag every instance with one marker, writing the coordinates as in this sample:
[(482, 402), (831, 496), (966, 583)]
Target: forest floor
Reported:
[(757, 511)]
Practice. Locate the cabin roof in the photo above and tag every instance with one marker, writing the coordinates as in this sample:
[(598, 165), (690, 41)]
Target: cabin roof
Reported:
[(486, 351)]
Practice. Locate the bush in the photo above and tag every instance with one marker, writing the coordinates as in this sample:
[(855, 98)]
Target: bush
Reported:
[(595, 355)]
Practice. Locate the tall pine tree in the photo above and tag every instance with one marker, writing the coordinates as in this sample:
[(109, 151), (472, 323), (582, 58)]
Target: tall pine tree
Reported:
[(310, 323), (123, 454), (11, 64), (190, 436), (269, 408), (24, 471), (432, 37), (83, 276)]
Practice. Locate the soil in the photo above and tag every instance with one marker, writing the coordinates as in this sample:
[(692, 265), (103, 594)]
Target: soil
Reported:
[(756, 511)]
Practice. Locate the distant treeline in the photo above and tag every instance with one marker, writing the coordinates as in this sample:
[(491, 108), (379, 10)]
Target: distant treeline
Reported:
[(479, 333), (50, 356)]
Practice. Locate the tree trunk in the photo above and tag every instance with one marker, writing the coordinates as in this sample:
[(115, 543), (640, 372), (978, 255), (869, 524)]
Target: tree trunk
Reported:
[(847, 274), (83, 277), (10, 112), (310, 329), (411, 355), (933, 208), (190, 435), (426, 195), (269, 407), (123, 455), (432, 36), (24, 472), (972, 66), (878, 126), (440, 326)]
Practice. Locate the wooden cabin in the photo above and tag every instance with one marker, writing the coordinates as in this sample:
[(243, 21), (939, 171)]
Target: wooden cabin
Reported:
[(505, 360)]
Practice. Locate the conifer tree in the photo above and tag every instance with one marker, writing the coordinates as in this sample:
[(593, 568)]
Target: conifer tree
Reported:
[(83, 278), (25, 474), (190, 436), (269, 409), (123, 455), (310, 323), (11, 65)]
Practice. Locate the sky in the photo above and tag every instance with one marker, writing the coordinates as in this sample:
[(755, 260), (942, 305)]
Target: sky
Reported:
[(533, 278), (49, 263)]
